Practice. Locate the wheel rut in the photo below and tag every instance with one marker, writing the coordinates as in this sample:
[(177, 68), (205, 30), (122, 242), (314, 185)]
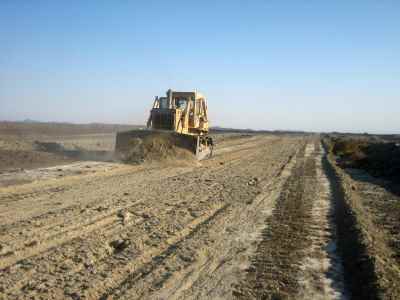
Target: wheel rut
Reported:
[(296, 257)]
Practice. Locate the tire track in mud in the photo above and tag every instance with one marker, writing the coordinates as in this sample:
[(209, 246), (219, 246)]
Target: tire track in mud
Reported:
[(276, 263), (76, 242), (360, 274), (293, 260), (153, 260), (322, 269)]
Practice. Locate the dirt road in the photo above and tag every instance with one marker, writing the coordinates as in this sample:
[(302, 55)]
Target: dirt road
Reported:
[(255, 222)]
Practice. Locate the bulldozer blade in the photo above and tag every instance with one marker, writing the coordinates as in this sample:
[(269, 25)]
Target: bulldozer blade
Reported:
[(143, 145)]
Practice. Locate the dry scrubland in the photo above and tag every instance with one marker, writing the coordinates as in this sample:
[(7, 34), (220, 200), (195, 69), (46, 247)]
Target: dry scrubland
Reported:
[(268, 217)]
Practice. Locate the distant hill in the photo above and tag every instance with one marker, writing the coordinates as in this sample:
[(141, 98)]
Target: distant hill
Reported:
[(218, 129), (30, 121), (26, 128)]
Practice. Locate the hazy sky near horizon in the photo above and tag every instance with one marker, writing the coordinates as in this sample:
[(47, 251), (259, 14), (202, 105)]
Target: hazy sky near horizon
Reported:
[(300, 65)]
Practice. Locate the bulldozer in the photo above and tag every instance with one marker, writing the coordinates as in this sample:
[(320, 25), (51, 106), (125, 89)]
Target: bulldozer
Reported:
[(177, 121)]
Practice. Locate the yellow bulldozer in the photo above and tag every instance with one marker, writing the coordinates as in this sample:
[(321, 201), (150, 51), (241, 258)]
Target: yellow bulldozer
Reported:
[(177, 121)]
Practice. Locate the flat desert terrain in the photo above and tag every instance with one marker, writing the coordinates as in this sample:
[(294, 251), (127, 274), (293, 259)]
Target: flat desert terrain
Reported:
[(269, 216)]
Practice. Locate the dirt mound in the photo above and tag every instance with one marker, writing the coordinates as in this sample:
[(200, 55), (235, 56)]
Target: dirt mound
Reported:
[(349, 148), (377, 158), (382, 160), (156, 148)]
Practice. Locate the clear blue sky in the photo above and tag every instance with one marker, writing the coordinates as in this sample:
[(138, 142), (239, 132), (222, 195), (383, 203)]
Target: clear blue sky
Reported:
[(309, 65)]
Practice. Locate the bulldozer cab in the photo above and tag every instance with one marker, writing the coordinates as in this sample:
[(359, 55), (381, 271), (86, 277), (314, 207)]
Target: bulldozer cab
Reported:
[(178, 103)]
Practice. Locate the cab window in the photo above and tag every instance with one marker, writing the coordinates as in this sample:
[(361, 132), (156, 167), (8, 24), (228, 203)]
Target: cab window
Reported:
[(181, 103)]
